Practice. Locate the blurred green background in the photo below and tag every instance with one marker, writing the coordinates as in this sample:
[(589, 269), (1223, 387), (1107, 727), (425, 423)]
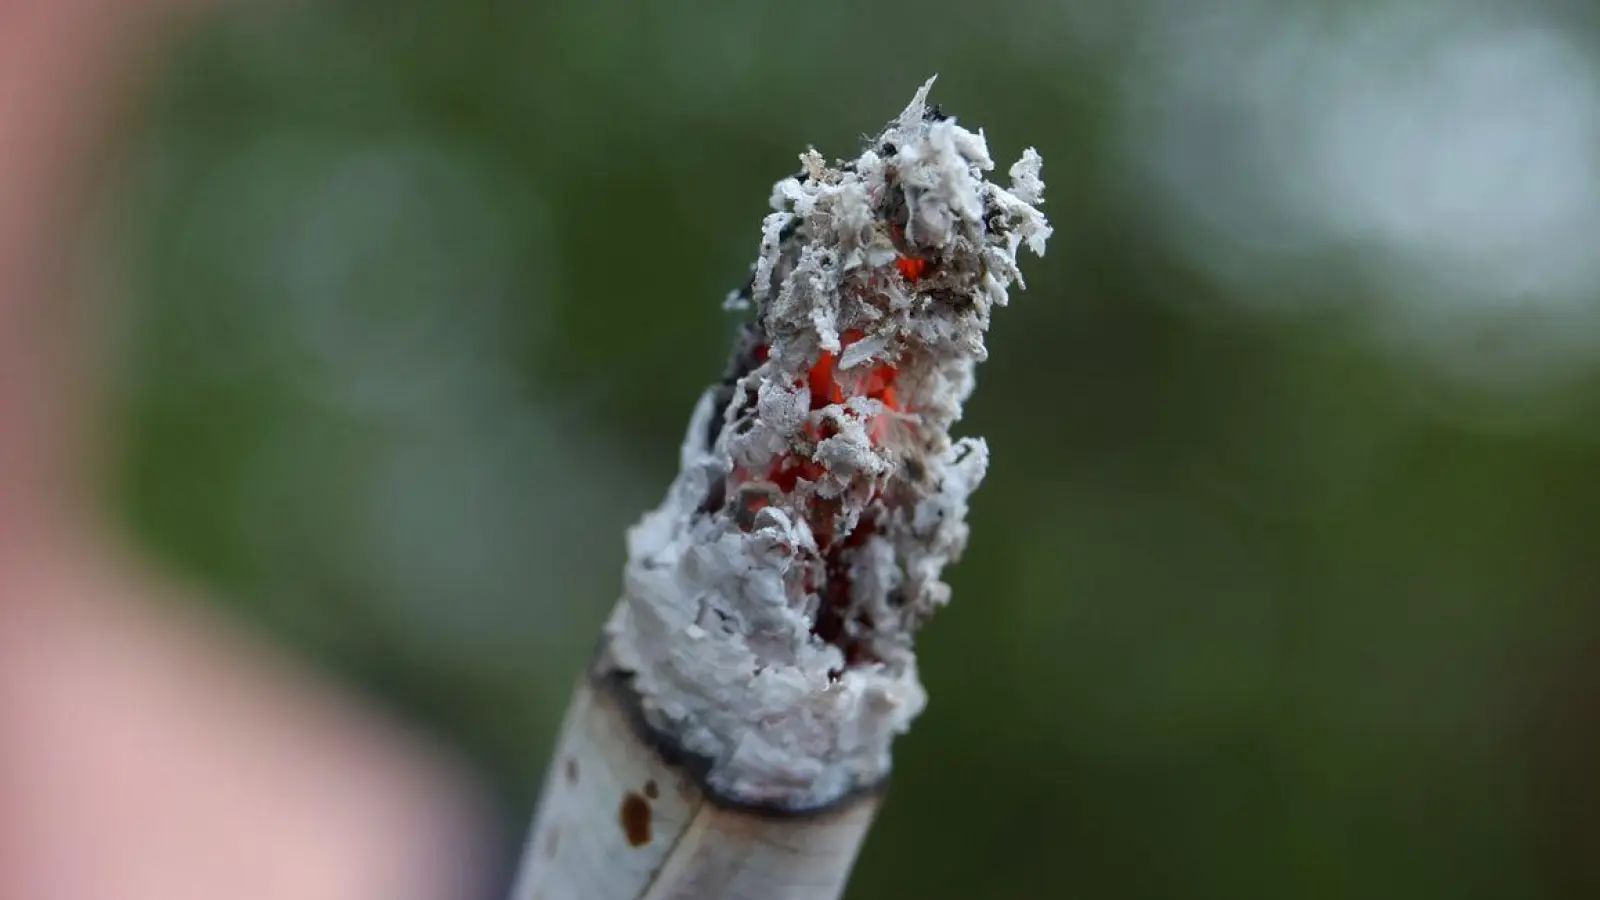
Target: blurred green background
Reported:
[(1283, 582)]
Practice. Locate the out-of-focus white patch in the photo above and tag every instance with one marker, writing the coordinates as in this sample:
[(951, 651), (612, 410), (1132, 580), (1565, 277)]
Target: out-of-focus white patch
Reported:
[(1447, 157), (1484, 152)]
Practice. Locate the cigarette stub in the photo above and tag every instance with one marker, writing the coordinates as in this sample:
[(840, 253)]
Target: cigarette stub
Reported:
[(760, 661)]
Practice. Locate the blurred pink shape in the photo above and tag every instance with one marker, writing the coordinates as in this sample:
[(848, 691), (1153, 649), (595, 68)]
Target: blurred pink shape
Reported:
[(145, 751)]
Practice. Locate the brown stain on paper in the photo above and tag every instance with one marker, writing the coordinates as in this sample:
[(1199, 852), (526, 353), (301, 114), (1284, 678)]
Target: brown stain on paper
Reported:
[(635, 816)]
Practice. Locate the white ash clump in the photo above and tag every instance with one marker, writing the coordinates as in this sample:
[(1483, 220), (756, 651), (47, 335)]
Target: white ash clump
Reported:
[(770, 601)]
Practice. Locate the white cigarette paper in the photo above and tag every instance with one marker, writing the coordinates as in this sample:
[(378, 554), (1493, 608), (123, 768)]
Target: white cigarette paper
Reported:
[(732, 737)]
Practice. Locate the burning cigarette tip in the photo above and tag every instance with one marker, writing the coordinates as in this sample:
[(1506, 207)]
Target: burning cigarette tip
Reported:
[(772, 598)]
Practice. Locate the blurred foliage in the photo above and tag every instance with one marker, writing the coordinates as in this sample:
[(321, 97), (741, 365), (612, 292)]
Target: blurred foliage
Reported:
[(1277, 587)]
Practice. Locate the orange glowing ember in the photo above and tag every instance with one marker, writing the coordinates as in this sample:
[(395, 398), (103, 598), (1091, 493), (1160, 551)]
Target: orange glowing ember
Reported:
[(911, 267), (822, 383), (824, 387)]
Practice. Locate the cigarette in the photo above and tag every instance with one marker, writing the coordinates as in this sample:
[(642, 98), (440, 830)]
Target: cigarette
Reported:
[(731, 740)]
